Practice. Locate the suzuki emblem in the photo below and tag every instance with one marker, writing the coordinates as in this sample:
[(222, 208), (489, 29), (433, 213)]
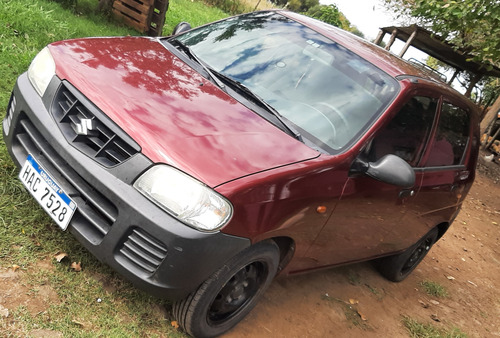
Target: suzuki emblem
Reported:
[(85, 127)]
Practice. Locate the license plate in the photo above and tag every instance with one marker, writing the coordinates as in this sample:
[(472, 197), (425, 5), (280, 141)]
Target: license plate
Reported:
[(59, 206)]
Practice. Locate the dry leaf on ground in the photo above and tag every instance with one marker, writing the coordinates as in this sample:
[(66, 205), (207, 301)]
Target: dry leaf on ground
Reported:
[(363, 318), (77, 267), (4, 312), (60, 256)]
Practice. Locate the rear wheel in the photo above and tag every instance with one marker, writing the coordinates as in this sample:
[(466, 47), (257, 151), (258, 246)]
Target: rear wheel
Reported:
[(227, 296), (396, 268)]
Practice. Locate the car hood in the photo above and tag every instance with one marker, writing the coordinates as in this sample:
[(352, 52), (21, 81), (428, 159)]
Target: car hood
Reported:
[(177, 116)]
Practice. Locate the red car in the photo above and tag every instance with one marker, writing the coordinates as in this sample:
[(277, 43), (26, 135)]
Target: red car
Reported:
[(202, 164)]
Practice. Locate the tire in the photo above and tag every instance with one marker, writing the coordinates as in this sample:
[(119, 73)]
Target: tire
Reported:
[(396, 268), (227, 296)]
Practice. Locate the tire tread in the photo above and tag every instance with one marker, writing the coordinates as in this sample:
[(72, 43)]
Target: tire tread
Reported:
[(390, 267), (187, 311)]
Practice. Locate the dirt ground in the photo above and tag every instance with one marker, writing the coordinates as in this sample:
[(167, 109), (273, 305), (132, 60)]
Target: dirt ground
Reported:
[(354, 301), (466, 261)]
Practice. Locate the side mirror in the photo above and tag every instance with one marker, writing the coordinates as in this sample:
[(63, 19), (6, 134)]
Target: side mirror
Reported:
[(181, 28), (389, 169)]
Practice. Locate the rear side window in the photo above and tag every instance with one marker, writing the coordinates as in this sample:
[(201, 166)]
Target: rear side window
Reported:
[(452, 136)]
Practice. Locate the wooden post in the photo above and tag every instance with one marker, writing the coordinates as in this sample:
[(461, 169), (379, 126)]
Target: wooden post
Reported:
[(391, 40), (379, 38), (408, 42)]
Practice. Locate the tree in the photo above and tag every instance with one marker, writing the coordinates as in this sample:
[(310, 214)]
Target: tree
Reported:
[(297, 5), (436, 64), (473, 25), (332, 15), (470, 24), (489, 87), (329, 14)]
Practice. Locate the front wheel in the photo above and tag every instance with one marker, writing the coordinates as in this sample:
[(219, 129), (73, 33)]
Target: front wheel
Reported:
[(398, 267), (227, 296)]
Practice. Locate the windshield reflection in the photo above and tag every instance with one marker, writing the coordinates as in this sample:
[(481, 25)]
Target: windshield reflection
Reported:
[(329, 93)]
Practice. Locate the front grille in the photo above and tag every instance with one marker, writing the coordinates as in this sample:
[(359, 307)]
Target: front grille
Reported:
[(95, 213), (143, 251), (89, 130)]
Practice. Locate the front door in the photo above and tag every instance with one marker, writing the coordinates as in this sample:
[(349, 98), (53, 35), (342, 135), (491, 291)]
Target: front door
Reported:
[(374, 218)]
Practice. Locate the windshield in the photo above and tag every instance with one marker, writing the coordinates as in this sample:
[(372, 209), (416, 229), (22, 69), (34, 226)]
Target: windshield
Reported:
[(327, 92)]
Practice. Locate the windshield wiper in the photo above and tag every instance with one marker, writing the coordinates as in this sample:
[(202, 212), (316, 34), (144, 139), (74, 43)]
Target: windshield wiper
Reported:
[(240, 87), (189, 52)]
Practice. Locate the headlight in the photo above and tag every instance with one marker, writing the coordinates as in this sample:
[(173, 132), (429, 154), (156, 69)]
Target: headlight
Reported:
[(185, 198), (41, 71)]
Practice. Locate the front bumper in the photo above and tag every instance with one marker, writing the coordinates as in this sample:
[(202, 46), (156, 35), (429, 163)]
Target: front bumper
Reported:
[(113, 221)]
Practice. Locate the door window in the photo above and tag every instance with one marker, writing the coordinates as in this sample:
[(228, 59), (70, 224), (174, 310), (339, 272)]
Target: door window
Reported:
[(406, 134), (451, 138)]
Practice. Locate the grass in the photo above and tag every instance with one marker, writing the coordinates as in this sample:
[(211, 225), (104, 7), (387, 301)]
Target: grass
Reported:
[(417, 329), (194, 12), (28, 236), (434, 289), (27, 26), (352, 315), (354, 278)]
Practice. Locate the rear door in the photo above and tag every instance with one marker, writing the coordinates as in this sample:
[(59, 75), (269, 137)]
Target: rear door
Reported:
[(445, 174)]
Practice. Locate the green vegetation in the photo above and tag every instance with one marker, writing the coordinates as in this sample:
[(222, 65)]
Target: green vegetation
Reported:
[(417, 329), (230, 6), (434, 289), (469, 24), (332, 15), (27, 26), (194, 12), (351, 312), (354, 278), (472, 25), (95, 301)]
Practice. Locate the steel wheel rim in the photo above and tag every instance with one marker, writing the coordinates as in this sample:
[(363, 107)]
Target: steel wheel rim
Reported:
[(417, 255), (237, 293)]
